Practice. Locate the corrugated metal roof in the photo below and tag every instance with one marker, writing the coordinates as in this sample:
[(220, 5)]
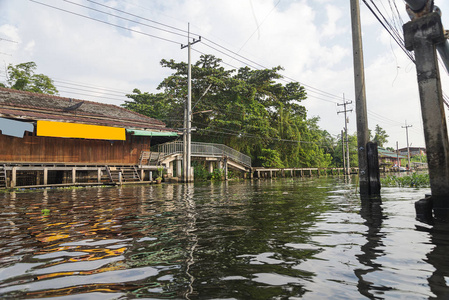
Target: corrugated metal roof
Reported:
[(382, 152), (33, 106)]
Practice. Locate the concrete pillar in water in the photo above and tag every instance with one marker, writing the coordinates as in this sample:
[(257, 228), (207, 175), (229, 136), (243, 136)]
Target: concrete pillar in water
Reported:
[(45, 176), (13, 177), (179, 168), (422, 35)]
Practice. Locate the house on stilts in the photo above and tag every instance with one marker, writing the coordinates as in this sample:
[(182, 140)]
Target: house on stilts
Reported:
[(50, 140)]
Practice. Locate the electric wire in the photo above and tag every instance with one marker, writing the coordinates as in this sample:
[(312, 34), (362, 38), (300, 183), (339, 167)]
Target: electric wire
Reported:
[(126, 19), (104, 22)]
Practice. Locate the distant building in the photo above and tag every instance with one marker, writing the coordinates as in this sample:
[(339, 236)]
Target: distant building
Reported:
[(414, 151), (389, 158)]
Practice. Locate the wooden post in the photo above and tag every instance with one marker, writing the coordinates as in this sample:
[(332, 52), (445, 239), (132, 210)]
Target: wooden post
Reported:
[(73, 175), (99, 175), (373, 168)]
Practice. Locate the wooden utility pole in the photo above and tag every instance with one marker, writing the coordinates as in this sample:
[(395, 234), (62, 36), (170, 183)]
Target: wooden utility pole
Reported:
[(187, 137), (360, 103)]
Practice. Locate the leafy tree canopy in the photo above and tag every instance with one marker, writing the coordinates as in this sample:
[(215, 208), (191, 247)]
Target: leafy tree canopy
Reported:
[(22, 77), (380, 136), (248, 110)]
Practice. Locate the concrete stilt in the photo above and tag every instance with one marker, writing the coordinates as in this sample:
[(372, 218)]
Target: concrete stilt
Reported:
[(422, 35)]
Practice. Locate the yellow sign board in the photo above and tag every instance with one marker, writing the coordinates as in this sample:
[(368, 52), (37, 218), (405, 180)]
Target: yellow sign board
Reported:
[(81, 131)]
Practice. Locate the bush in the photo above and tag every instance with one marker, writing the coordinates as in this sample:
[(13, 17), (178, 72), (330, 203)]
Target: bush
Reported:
[(415, 180)]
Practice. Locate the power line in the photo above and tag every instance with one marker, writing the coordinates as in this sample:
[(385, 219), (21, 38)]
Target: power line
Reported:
[(90, 91), (119, 17), (89, 95), (136, 16), (6, 40), (253, 64), (107, 23)]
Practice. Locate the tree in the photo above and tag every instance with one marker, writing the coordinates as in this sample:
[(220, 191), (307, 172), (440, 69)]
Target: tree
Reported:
[(22, 77), (380, 136), (248, 110), (157, 106)]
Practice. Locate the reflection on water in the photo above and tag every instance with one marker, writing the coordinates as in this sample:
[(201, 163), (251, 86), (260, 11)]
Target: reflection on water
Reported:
[(267, 239)]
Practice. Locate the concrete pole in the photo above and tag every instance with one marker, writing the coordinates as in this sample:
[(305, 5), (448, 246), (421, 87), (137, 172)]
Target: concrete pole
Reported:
[(343, 152), (189, 113), (187, 138), (422, 35), (408, 145), (360, 99), (348, 168), (416, 5), (397, 155)]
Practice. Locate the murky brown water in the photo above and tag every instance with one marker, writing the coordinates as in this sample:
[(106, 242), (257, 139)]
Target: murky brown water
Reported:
[(281, 239)]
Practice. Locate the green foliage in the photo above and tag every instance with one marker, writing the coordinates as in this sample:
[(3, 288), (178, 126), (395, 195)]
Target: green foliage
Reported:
[(271, 159), (248, 110), (415, 180), (337, 159), (202, 174), (380, 136), (217, 174), (22, 77), (421, 158)]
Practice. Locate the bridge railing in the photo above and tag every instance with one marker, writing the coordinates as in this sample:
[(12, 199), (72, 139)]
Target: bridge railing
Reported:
[(206, 150)]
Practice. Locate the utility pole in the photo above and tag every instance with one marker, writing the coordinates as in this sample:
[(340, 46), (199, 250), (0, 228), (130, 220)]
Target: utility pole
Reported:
[(408, 147), (397, 155), (187, 137), (368, 183), (422, 35), (345, 103), (343, 152)]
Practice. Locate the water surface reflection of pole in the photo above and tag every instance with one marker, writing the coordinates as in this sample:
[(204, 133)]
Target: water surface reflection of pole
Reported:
[(438, 259), (190, 235), (371, 211)]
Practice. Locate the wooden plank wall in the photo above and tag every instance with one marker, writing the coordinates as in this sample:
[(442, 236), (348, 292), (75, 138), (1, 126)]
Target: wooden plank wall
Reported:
[(66, 150)]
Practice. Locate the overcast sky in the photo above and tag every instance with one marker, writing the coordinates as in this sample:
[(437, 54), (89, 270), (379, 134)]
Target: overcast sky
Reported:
[(311, 40)]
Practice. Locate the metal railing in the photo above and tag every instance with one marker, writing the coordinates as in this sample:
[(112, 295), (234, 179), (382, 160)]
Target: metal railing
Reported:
[(206, 150)]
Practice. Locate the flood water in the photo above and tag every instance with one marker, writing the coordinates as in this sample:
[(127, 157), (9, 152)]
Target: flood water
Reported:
[(262, 239)]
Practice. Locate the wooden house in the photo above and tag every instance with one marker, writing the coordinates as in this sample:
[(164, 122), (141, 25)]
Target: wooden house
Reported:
[(62, 135), (389, 159)]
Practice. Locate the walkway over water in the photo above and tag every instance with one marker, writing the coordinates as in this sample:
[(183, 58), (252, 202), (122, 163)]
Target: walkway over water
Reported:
[(169, 152)]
